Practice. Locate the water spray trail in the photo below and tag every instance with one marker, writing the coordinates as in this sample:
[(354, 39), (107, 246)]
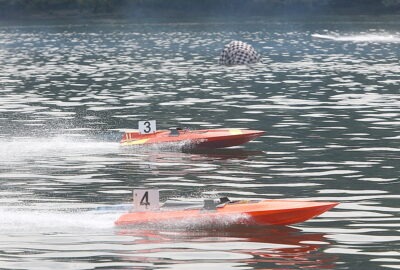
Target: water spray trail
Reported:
[(28, 220), (56, 146)]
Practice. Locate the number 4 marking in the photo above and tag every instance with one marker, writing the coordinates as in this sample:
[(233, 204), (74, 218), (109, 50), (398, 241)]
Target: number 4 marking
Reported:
[(145, 199)]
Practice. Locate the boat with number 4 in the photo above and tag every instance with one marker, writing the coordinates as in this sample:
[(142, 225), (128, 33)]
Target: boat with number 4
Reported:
[(252, 212), (198, 139)]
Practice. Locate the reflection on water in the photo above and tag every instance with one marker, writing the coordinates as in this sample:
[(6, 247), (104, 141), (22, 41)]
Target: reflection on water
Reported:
[(236, 246), (326, 95)]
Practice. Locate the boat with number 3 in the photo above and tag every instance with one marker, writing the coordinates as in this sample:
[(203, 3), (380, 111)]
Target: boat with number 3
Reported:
[(194, 139)]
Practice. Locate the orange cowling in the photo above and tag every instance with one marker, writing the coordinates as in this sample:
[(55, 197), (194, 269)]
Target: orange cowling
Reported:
[(213, 138), (266, 212)]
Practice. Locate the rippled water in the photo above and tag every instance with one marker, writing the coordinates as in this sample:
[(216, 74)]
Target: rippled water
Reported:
[(327, 94)]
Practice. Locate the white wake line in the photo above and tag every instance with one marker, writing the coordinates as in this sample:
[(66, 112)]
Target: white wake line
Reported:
[(360, 38)]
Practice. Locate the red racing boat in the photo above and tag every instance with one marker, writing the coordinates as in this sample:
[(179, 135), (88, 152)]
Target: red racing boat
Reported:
[(199, 139), (264, 212)]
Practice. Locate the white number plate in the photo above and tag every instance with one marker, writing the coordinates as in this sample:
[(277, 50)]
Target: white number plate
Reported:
[(147, 127), (146, 199)]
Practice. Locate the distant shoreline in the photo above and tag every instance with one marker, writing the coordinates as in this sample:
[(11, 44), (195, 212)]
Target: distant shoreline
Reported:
[(77, 18), (188, 10)]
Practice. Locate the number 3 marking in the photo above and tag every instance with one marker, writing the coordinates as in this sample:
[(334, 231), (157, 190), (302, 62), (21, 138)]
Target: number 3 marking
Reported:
[(147, 124)]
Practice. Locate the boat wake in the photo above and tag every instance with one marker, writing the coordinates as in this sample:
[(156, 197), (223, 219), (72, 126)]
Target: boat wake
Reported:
[(22, 148), (80, 220), (53, 221), (384, 38)]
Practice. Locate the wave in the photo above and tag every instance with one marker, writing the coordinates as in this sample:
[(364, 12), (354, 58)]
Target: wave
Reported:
[(386, 38)]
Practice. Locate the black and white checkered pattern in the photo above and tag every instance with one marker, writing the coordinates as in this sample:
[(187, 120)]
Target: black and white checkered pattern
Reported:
[(238, 53)]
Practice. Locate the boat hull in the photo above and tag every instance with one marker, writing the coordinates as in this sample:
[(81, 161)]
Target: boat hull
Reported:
[(266, 212)]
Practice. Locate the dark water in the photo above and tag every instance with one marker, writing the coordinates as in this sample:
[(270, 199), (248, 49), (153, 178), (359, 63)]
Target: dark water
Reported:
[(327, 95)]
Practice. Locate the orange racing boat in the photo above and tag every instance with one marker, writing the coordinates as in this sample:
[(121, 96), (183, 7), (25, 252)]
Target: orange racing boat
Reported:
[(199, 139), (263, 212)]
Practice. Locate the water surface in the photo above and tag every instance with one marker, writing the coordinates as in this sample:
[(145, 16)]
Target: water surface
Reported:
[(327, 94)]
